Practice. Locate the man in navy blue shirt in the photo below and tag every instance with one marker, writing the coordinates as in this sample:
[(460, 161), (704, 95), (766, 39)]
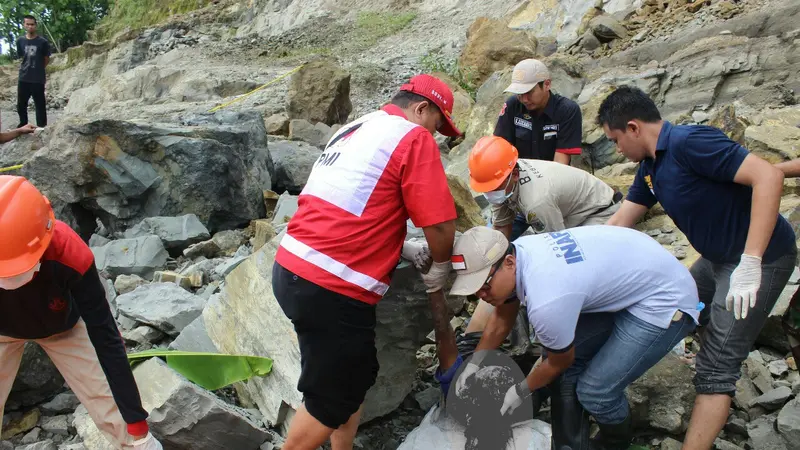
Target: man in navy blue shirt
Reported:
[(726, 202)]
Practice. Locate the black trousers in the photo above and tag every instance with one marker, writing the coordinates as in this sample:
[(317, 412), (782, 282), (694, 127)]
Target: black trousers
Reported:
[(24, 93)]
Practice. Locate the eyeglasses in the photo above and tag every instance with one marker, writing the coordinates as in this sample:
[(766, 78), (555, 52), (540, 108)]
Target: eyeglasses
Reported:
[(495, 267)]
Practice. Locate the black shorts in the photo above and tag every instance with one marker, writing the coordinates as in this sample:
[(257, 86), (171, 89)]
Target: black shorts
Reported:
[(338, 358)]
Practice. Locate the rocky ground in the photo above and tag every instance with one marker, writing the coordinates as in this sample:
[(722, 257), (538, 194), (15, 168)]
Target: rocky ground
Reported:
[(184, 207)]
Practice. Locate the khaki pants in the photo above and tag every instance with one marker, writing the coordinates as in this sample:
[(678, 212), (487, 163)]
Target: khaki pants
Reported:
[(75, 357)]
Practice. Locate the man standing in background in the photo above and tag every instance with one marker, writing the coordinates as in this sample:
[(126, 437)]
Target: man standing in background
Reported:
[(34, 50), (539, 123)]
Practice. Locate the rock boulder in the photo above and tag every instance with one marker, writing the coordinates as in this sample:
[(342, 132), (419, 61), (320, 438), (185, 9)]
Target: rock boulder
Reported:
[(213, 165), (320, 92), (164, 306), (492, 46), (140, 256), (37, 379), (293, 164), (246, 304), (182, 415), (176, 233), (664, 396)]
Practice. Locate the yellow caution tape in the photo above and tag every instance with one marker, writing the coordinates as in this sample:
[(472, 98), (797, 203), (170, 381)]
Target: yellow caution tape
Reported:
[(238, 99), (10, 168)]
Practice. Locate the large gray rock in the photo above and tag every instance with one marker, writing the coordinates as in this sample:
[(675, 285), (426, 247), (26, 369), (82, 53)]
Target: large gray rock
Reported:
[(285, 209), (63, 403), (164, 306), (213, 165), (176, 233), (293, 164), (320, 92), (789, 424), (764, 435), (662, 398), (37, 379), (182, 415), (140, 256), (194, 338), (774, 399), (247, 305), (317, 134)]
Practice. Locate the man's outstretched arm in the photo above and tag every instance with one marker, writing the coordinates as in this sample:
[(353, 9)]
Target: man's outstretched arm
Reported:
[(13, 134)]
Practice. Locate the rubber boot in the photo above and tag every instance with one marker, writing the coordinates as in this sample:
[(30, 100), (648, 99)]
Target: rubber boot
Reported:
[(570, 422), (614, 437)]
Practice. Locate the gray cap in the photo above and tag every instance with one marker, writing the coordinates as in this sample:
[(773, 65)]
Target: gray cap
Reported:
[(474, 253), (527, 74)]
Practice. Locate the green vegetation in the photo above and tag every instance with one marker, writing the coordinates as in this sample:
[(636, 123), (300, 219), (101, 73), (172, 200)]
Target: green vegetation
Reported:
[(63, 22), (436, 62), (5, 60), (370, 27), (137, 14)]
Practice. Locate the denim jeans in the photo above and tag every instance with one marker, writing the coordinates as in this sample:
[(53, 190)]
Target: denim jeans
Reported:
[(519, 226), (612, 350), (726, 342)]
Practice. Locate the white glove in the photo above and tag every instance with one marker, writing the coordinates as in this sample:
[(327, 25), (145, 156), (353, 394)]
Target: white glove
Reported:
[(745, 281), (147, 443), (513, 398), (461, 382), (417, 253), (436, 277)]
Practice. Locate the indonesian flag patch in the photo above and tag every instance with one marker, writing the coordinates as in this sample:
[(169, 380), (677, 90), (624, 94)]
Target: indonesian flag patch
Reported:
[(458, 262)]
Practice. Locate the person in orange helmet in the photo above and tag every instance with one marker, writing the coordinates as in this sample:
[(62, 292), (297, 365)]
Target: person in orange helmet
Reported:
[(550, 196), (51, 293)]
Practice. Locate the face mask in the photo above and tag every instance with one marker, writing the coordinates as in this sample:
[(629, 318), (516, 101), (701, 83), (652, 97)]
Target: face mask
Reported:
[(499, 196), (18, 281), (496, 197)]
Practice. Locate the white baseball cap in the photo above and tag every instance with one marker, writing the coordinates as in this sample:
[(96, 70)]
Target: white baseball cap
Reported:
[(474, 254), (527, 74)]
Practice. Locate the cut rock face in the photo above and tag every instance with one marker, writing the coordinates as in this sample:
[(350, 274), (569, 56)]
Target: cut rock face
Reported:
[(176, 233), (164, 306), (140, 256)]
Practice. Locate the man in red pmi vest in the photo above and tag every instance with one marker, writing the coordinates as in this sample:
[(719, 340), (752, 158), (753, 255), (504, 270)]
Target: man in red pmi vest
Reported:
[(51, 293), (335, 262)]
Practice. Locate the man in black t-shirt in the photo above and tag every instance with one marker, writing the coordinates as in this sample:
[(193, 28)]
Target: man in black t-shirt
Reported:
[(34, 51), (539, 123)]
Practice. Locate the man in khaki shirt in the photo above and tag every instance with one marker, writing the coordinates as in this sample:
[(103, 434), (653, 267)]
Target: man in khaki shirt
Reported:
[(550, 196)]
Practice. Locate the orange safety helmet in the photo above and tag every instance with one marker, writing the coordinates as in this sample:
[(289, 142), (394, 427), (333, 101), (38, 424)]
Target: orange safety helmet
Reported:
[(491, 160), (26, 225)]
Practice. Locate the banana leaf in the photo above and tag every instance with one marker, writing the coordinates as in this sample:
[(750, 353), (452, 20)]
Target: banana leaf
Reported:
[(210, 370)]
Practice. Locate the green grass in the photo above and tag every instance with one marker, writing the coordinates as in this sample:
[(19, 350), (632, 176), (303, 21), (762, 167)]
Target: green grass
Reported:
[(436, 62), (5, 60), (136, 14), (372, 26)]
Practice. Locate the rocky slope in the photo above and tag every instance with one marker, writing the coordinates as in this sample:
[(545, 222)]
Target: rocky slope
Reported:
[(184, 196)]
